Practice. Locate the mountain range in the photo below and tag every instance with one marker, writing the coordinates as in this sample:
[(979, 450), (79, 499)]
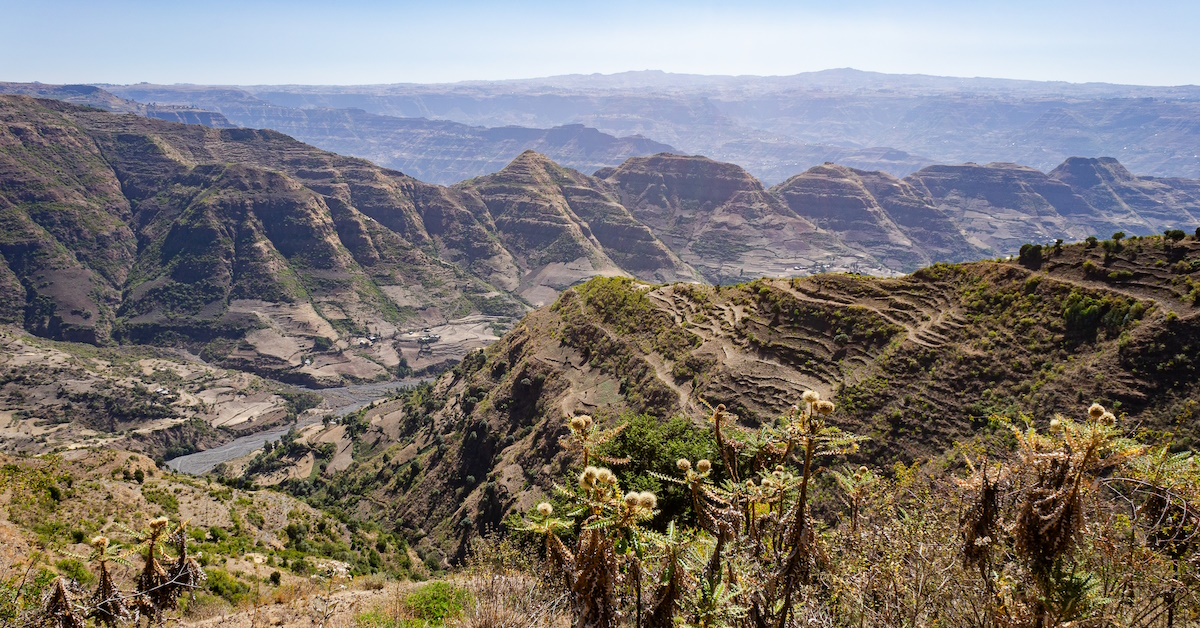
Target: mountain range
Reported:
[(774, 126), (650, 287), (267, 253)]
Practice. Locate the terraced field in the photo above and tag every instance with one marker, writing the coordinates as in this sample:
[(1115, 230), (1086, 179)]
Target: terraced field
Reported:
[(916, 363)]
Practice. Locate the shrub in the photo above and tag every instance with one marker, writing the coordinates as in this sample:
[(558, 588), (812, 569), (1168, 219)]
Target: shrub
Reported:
[(1030, 254), (437, 601)]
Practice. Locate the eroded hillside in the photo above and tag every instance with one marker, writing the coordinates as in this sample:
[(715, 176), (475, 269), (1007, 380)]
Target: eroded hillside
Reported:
[(917, 363)]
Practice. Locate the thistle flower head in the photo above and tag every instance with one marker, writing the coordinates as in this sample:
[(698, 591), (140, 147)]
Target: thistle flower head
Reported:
[(100, 542), (605, 476), (1096, 411), (633, 499), (158, 522), (720, 407), (863, 469), (825, 407), (1108, 418), (587, 421), (703, 465), (545, 509), (647, 500), (684, 464), (811, 396), (577, 424), (778, 469), (1055, 424), (587, 479)]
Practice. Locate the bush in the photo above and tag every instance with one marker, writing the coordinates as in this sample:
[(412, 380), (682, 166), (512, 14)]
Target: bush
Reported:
[(1031, 254), (437, 602), (75, 570), (227, 587), (653, 446)]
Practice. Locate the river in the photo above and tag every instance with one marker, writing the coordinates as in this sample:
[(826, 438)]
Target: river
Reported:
[(343, 400)]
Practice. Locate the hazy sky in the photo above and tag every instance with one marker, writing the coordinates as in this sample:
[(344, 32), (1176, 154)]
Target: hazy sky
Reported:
[(365, 41)]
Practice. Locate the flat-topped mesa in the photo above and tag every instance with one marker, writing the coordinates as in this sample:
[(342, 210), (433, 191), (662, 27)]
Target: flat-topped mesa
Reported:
[(717, 217), (1138, 205), (1002, 205), (1086, 172), (876, 214), (693, 178), (563, 226)]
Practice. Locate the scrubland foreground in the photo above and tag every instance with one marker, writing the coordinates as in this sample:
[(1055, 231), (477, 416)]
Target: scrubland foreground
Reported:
[(1010, 446), (1075, 525)]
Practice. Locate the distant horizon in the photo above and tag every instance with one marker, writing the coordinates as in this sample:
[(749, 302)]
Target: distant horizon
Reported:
[(383, 42), (619, 73)]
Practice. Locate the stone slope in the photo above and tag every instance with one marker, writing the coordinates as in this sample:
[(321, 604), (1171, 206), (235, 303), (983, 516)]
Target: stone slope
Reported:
[(564, 227), (1141, 205), (1001, 206), (877, 214), (718, 218), (204, 236)]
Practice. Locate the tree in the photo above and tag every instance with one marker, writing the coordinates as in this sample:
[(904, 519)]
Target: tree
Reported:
[(1031, 254)]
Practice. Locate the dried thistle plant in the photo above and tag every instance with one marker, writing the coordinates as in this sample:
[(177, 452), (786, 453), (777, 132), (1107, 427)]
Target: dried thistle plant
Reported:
[(1054, 469), (59, 606), (107, 602)]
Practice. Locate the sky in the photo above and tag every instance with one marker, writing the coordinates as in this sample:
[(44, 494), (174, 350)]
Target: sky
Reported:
[(372, 41)]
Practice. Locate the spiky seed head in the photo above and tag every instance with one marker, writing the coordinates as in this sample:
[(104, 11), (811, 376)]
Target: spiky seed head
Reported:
[(100, 542), (545, 509), (158, 522), (863, 469), (587, 479), (825, 407), (1055, 424), (811, 396), (720, 407), (647, 500), (684, 464), (633, 499), (577, 424), (1108, 418), (1096, 411), (703, 465), (605, 476), (778, 469), (587, 421)]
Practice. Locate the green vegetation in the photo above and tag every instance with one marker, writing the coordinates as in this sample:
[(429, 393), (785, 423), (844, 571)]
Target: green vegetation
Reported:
[(437, 602), (1037, 532)]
